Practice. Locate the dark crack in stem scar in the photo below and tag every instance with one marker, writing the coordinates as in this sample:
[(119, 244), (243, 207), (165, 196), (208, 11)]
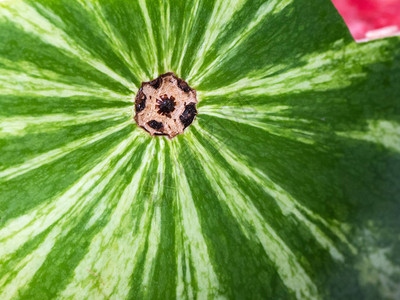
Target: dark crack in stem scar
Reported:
[(183, 86), (156, 83), (141, 101), (155, 125), (188, 115)]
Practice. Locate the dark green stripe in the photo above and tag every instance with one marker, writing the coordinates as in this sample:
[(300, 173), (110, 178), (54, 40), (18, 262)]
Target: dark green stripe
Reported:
[(243, 269), (34, 144), (163, 279), (19, 46), (21, 194), (279, 39), (71, 248), (83, 28), (11, 105)]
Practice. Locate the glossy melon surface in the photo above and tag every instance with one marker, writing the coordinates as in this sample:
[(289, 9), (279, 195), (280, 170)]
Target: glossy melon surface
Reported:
[(286, 185)]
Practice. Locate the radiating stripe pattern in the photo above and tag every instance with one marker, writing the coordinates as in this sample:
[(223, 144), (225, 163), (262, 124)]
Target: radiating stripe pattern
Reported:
[(285, 186)]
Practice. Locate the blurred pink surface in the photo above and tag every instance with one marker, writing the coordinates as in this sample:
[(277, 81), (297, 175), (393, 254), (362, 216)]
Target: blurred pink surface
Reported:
[(370, 19)]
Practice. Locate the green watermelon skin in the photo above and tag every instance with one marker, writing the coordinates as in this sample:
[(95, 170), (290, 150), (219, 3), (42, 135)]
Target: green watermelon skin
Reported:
[(286, 186)]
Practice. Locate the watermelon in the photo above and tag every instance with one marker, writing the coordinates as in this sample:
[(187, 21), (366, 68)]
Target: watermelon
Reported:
[(285, 186)]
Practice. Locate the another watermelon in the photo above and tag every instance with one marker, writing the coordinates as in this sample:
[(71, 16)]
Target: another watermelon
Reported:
[(285, 186)]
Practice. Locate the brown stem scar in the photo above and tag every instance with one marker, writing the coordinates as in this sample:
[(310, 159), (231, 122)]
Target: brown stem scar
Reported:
[(165, 105)]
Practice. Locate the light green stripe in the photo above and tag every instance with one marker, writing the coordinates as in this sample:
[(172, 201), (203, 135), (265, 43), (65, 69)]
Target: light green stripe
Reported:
[(267, 122), (18, 231), (186, 34), (220, 17), (287, 203), (153, 61), (116, 245), (191, 248), (254, 226), (376, 267), (153, 238), (167, 45), (255, 111), (22, 125), (229, 50), (320, 72), (23, 78), (27, 267), (32, 22), (113, 39), (55, 154), (380, 132), (58, 213)]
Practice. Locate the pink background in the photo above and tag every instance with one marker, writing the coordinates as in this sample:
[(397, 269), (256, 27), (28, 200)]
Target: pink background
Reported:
[(370, 19)]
